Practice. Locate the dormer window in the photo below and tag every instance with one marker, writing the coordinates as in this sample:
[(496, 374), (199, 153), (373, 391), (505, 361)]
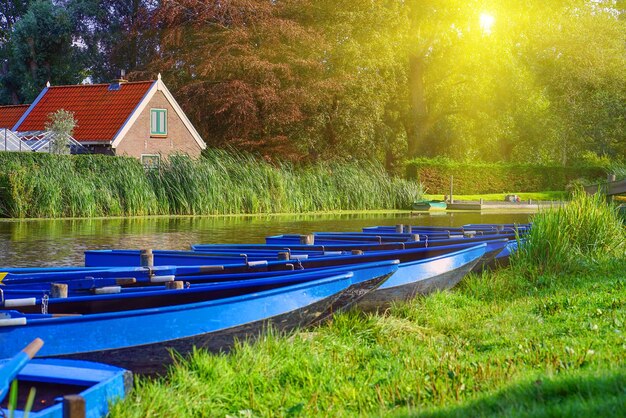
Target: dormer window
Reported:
[(158, 122)]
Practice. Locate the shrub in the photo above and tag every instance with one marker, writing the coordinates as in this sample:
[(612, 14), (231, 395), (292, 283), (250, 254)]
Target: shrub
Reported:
[(475, 178)]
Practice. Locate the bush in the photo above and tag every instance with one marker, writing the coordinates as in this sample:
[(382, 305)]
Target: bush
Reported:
[(476, 178)]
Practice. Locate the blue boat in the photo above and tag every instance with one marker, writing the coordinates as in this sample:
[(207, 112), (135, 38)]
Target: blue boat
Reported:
[(333, 246), (12, 366), (85, 277), (98, 384), (423, 277), (195, 259), (141, 340), (421, 270), (365, 277), (494, 245)]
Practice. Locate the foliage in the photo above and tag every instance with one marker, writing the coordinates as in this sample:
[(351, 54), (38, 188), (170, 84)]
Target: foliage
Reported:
[(499, 197), (310, 80), (61, 124), (40, 49), (477, 178), (585, 231), (496, 346), (44, 185)]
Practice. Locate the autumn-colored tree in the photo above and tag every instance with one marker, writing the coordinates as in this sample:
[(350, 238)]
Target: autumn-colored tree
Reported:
[(242, 70)]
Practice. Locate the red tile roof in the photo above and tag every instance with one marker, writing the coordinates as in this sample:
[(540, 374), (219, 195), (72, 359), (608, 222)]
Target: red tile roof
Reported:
[(9, 115), (99, 112)]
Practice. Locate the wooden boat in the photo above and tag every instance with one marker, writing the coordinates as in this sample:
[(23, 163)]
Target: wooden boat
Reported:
[(353, 238), (193, 259), (428, 205), (97, 384), (141, 339), (494, 247), (420, 271), (86, 277), (437, 273), (365, 277), (454, 229), (9, 368), (340, 246)]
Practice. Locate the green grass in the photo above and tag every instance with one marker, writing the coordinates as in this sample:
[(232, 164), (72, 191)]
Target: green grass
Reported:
[(51, 186), (499, 197), (567, 238), (497, 345), (550, 343)]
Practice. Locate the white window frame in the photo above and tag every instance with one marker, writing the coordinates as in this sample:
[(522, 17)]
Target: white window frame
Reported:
[(155, 123)]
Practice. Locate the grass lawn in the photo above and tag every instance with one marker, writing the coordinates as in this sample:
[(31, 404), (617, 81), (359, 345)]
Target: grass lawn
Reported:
[(500, 344), (499, 197)]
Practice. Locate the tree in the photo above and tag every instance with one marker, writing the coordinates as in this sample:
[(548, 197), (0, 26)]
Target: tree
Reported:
[(42, 50), (115, 34), (10, 12), (242, 70), (61, 125)]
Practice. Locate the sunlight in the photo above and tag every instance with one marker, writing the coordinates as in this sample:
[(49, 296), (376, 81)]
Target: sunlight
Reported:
[(486, 22)]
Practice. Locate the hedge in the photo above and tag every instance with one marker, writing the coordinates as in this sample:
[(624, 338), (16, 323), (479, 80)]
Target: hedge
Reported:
[(474, 178)]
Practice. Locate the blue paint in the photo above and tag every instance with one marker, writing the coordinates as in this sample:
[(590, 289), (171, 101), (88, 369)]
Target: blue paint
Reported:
[(97, 332), (103, 384)]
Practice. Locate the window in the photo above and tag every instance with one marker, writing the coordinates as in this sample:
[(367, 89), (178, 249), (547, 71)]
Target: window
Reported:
[(158, 122), (150, 161)]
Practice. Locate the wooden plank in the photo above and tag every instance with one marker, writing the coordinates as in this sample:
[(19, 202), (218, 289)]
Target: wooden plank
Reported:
[(617, 187), (74, 406), (610, 189)]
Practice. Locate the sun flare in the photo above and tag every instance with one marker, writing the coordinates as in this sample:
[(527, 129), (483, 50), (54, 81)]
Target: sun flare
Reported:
[(486, 22)]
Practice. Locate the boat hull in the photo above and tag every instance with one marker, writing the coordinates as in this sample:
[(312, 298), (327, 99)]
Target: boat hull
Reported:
[(414, 279), (151, 359), (139, 340), (351, 297)]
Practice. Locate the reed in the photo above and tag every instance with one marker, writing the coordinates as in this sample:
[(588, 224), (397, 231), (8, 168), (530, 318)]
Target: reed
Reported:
[(42, 185), (587, 230)]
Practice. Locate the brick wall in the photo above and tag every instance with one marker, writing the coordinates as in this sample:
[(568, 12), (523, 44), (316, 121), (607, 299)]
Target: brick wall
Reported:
[(138, 141)]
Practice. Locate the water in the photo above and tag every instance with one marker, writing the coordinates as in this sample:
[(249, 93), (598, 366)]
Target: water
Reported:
[(62, 242)]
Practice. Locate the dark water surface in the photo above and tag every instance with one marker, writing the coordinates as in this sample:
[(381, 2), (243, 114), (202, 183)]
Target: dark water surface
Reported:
[(62, 242)]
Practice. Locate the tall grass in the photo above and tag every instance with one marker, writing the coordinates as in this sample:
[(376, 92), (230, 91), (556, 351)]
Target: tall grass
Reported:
[(587, 230), (43, 185)]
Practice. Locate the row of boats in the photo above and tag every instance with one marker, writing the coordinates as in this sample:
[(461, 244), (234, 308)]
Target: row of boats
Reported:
[(133, 308)]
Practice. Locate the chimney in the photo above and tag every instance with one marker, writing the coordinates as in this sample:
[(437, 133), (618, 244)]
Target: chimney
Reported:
[(116, 83)]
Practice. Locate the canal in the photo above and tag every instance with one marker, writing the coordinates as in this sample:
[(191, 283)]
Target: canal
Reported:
[(62, 242)]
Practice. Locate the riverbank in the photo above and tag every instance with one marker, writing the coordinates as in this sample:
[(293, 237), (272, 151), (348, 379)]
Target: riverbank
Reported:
[(498, 345), (57, 186), (545, 336)]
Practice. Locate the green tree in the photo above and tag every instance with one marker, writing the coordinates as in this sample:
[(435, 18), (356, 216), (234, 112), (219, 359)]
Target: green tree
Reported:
[(61, 125), (42, 50)]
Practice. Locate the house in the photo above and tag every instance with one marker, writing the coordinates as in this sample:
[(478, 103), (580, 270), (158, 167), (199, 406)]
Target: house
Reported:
[(9, 115), (139, 119)]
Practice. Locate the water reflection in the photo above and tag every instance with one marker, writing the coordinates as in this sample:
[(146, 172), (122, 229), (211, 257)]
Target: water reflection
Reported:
[(62, 242)]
